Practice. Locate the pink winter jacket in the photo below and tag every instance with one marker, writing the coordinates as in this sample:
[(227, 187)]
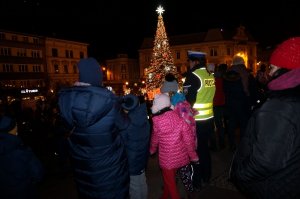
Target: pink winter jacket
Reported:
[(185, 110), (172, 137)]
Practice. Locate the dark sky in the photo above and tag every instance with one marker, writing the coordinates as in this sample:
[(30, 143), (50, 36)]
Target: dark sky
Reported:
[(118, 26)]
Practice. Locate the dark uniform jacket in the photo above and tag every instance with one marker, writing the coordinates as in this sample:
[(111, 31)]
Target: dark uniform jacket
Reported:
[(191, 85)]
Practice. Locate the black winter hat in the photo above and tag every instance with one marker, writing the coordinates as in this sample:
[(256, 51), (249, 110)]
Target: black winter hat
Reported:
[(90, 71)]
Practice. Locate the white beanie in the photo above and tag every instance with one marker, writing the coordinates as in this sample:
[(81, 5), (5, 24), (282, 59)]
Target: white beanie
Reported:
[(160, 102)]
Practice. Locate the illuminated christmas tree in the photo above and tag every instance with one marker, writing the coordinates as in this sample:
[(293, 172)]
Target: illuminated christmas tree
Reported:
[(161, 60)]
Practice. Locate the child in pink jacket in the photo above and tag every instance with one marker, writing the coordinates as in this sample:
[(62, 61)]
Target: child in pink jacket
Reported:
[(180, 105), (174, 141)]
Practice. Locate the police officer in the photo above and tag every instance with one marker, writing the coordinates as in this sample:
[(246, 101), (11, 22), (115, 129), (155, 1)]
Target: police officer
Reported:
[(199, 87)]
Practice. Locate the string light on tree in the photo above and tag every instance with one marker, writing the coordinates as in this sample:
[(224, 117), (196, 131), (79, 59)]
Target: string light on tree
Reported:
[(161, 60)]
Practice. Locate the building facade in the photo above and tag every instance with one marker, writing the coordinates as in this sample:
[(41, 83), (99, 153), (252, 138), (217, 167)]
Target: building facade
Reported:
[(219, 45), (122, 74), (62, 57), (23, 70), (31, 66)]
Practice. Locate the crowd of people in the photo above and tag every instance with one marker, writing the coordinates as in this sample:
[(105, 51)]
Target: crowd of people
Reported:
[(107, 139)]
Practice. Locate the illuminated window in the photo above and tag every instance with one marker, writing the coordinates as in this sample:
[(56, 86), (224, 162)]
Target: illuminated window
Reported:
[(56, 69), (22, 52), (177, 55), (8, 68), (213, 52), (36, 68), (5, 51), (35, 54), (23, 68)]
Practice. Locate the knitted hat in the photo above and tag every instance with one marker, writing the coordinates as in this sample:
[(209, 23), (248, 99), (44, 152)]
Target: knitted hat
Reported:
[(195, 55), (6, 124), (160, 102), (287, 54), (90, 71), (169, 86), (178, 97), (237, 60), (130, 101)]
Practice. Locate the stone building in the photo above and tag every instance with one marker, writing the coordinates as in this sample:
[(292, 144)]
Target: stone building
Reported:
[(220, 45), (32, 66)]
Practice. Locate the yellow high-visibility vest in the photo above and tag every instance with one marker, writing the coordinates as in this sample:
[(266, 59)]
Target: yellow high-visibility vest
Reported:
[(205, 95)]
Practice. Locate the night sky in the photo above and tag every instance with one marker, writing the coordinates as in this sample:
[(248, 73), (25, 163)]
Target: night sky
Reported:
[(119, 26)]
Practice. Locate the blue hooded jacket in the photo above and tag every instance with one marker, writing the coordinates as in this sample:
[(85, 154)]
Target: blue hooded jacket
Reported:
[(136, 138), (98, 153)]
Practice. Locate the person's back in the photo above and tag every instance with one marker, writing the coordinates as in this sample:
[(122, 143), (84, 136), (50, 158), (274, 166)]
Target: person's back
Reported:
[(172, 151), (136, 138), (219, 104), (172, 138), (183, 108), (199, 89), (97, 151), (20, 170), (266, 164), (237, 99)]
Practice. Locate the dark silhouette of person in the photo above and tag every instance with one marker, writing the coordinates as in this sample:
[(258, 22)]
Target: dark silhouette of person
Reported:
[(266, 163), (97, 151)]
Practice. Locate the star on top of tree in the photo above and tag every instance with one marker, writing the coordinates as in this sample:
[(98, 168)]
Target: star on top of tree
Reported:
[(160, 10)]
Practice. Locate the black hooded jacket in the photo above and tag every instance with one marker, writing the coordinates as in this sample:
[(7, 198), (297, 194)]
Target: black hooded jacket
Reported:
[(266, 164)]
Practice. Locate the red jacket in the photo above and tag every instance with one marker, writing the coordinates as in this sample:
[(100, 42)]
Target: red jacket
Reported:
[(219, 98)]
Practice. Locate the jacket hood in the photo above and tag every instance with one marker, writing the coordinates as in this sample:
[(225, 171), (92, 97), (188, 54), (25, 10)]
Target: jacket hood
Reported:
[(83, 106), (139, 115)]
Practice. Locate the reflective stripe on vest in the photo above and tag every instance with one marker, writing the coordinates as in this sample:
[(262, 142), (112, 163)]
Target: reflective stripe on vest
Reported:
[(205, 95)]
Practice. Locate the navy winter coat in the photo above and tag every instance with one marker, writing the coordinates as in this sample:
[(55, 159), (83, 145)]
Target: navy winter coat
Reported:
[(97, 151), (20, 170), (136, 138)]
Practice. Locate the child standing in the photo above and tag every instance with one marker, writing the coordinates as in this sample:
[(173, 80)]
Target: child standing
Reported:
[(184, 110), (136, 138), (175, 143)]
